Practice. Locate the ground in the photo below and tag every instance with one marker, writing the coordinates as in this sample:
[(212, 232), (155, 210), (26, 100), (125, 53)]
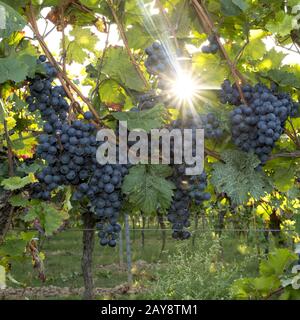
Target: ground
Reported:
[(63, 267)]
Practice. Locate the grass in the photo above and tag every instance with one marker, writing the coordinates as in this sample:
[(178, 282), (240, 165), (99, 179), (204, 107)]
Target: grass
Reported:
[(63, 261)]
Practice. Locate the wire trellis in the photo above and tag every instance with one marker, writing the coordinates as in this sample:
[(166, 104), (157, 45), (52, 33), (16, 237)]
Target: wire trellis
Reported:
[(168, 229)]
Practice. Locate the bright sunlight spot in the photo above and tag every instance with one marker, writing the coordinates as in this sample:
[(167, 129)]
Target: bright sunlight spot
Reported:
[(185, 87)]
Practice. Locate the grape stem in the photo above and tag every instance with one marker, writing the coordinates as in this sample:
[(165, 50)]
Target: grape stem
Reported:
[(297, 141), (213, 154), (64, 50), (240, 53), (209, 28), (61, 75), (292, 137), (125, 41), (295, 154)]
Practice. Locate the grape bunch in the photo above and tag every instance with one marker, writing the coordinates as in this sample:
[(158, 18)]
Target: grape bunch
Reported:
[(188, 189), (69, 150), (208, 122), (258, 125), (198, 184), (158, 60), (147, 100), (104, 192), (212, 127), (212, 46)]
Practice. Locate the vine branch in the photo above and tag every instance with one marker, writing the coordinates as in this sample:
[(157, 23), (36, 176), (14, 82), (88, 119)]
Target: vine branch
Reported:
[(209, 27), (295, 154), (61, 75), (125, 41), (297, 141), (291, 136)]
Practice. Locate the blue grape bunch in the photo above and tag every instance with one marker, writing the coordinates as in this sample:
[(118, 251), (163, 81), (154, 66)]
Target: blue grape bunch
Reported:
[(212, 47), (257, 125), (157, 60), (69, 150)]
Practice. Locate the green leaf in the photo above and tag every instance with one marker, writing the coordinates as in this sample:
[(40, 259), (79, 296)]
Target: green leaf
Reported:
[(284, 78), (147, 190), (242, 288), (281, 24), (49, 217), (229, 8), (242, 4), (213, 71), (118, 66), (266, 284), (182, 19), (283, 172), (15, 183), (13, 21), (271, 60), (111, 92), (238, 176), (255, 49), (14, 247), (12, 69), (138, 38), (146, 120), (90, 3), (30, 62), (83, 43), (18, 201), (32, 168), (277, 262)]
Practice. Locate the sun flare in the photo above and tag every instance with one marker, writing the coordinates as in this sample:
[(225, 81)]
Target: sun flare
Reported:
[(184, 87)]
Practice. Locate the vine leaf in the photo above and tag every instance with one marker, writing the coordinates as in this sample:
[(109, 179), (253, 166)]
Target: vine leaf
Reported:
[(18, 201), (48, 216), (137, 38), (277, 262), (13, 21), (284, 77), (146, 120), (12, 69), (238, 176), (111, 92), (118, 66), (281, 24), (233, 7), (147, 187), (15, 183), (284, 171), (84, 42)]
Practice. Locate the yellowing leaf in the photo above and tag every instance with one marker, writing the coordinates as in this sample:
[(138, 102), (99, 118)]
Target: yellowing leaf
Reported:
[(11, 122)]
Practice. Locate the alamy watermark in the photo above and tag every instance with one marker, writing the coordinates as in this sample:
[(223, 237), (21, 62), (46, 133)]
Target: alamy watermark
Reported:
[(163, 146), (2, 17)]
